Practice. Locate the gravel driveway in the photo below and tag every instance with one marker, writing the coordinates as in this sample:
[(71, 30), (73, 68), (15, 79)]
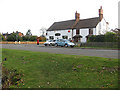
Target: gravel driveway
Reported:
[(62, 50)]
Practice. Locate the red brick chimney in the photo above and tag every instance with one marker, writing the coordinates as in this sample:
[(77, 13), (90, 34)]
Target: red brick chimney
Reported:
[(77, 16), (100, 13)]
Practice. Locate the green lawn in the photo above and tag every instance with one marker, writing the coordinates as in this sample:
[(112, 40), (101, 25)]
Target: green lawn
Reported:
[(45, 70)]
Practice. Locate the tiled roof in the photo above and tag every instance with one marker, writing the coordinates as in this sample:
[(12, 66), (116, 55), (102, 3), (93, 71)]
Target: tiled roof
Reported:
[(83, 23), (87, 23), (62, 25)]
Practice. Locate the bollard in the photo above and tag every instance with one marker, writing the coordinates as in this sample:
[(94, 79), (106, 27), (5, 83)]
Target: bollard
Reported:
[(15, 42), (19, 42)]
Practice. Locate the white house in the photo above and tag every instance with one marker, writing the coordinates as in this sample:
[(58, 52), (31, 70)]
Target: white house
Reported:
[(78, 29)]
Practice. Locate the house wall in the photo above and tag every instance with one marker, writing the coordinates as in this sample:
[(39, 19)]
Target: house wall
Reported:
[(85, 32), (62, 32), (102, 27)]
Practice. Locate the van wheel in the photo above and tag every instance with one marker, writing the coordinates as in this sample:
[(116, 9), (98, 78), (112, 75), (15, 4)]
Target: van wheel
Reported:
[(50, 44), (66, 45), (45, 44)]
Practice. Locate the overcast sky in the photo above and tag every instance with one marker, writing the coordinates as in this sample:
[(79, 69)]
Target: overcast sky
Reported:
[(21, 15)]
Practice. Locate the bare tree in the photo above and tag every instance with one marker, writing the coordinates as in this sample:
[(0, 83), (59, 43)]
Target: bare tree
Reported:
[(43, 31), (28, 34)]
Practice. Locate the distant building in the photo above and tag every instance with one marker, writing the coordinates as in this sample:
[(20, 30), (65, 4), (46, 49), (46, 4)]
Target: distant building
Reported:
[(5, 35), (116, 30), (78, 29), (17, 33)]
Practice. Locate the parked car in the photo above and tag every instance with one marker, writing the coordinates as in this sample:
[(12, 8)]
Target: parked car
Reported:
[(63, 42), (50, 43)]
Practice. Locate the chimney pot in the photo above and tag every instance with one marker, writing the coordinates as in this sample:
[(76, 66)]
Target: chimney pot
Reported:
[(77, 16), (100, 13)]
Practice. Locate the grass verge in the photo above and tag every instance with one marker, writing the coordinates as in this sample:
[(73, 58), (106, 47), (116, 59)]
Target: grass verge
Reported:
[(45, 70), (98, 48)]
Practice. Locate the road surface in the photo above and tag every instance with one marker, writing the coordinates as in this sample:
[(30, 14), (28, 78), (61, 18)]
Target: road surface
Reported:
[(62, 50)]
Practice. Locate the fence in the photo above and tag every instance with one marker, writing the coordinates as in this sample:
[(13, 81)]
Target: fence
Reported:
[(20, 42), (99, 44)]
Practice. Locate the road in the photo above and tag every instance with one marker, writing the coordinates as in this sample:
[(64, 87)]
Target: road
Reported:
[(62, 50)]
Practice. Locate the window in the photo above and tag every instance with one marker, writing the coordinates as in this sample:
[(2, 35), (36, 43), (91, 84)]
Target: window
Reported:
[(91, 31), (65, 37), (57, 34), (51, 37)]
